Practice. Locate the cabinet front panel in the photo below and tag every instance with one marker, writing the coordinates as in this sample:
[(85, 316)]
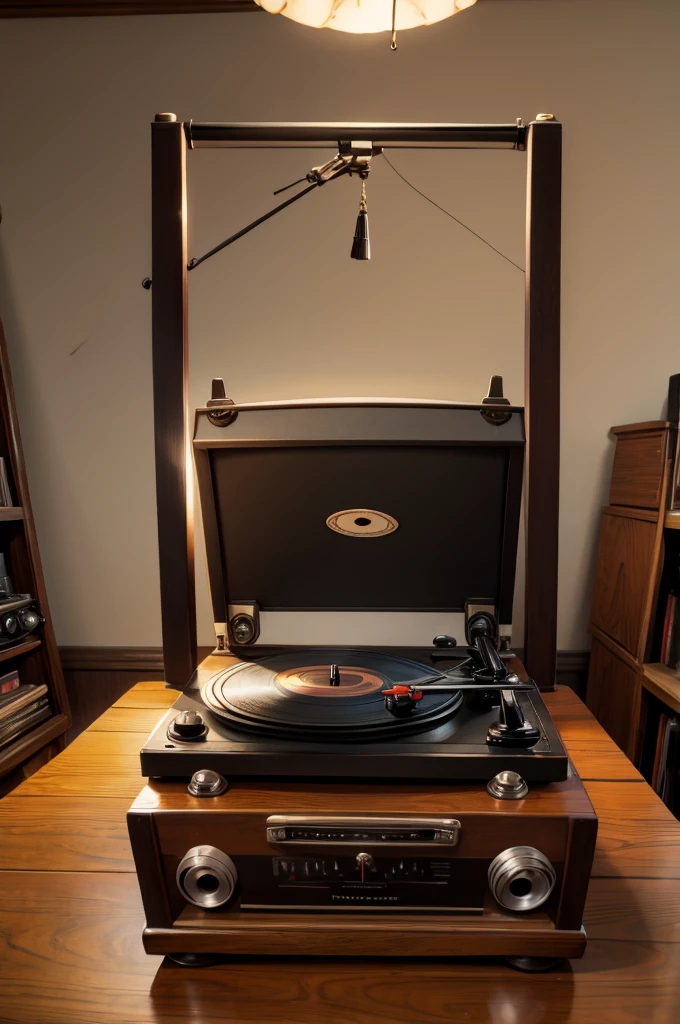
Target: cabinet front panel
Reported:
[(624, 571), (637, 474), (613, 696)]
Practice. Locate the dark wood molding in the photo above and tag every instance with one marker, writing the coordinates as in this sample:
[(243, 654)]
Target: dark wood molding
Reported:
[(112, 8), (542, 397), (117, 659)]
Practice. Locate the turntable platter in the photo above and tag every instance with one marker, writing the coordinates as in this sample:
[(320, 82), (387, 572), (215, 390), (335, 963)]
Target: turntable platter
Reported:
[(334, 695)]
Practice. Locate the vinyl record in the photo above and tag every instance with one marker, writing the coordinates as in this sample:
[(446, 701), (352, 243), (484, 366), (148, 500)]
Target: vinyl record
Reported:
[(292, 696)]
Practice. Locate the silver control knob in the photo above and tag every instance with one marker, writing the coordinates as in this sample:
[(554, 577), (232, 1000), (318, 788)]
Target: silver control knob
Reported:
[(507, 786), (206, 877), (206, 782)]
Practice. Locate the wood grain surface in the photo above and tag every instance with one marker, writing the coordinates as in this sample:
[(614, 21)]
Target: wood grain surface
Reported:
[(622, 581), (614, 695), (71, 919), (638, 470)]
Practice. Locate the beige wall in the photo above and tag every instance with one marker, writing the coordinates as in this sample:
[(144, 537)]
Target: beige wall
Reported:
[(286, 313)]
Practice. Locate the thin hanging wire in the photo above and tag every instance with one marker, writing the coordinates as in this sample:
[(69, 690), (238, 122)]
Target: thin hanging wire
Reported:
[(393, 44), (451, 215)]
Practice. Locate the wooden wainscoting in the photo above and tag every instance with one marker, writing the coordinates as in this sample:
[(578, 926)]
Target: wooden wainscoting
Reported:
[(97, 676)]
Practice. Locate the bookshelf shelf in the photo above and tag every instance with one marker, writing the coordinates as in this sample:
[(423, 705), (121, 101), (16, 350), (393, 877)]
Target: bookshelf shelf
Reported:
[(13, 652), (663, 683), (10, 514), (31, 742), (672, 520)]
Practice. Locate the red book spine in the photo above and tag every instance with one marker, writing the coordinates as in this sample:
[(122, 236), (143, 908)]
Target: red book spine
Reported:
[(9, 683)]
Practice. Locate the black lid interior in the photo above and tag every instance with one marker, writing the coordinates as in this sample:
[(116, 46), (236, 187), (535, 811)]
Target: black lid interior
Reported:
[(270, 480)]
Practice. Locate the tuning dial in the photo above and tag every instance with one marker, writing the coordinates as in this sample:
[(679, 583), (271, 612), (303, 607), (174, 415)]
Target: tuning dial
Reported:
[(187, 725), (365, 863)]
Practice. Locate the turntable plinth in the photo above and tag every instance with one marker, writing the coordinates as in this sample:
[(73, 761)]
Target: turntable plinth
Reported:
[(556, 819)]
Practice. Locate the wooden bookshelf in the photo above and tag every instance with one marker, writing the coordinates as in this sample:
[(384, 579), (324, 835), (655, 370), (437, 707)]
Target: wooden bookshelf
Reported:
[(36, 658), (624, 614), (663, 683)]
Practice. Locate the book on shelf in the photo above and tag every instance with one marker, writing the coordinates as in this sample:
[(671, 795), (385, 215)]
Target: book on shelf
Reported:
[(666, 774), (13, 702), (670, 635), (24, 720), (9, 682)]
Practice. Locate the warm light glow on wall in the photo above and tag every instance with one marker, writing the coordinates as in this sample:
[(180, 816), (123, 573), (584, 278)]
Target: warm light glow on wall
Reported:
[(365, 15)]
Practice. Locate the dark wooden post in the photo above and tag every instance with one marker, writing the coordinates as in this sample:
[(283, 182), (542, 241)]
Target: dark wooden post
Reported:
[(174, 481), (542, 395)]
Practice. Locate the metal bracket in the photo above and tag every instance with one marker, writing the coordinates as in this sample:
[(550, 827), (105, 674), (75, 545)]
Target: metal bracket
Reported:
[(220, 408)]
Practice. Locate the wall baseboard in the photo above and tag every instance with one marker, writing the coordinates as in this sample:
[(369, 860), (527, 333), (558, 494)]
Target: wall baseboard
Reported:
[(97, 676)]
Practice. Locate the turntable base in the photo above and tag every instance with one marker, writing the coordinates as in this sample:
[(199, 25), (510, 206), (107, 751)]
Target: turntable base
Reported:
[(288, 900)]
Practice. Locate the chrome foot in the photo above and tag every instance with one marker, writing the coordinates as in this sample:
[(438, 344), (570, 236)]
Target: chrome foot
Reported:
[(533, 964), (193, 959)]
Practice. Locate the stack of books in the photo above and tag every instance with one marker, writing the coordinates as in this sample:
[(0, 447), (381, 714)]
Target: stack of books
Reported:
[(22, 706)]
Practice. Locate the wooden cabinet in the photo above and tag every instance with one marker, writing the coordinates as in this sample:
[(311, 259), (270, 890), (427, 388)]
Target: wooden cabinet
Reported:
[(623, 582), (610, 674), (629, 566), (639, 465)]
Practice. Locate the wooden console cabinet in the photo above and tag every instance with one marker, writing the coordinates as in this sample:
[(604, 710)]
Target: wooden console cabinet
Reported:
[(636, 536)]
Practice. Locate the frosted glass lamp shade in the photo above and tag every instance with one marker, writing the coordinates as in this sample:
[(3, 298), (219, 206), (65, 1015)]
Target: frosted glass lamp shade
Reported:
[(365, 15)]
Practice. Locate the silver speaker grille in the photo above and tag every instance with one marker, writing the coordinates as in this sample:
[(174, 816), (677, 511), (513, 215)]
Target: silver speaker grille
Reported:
[(206, 877), (521, 878)]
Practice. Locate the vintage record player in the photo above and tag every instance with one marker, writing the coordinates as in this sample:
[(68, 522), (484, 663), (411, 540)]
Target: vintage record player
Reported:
[(311, 785)]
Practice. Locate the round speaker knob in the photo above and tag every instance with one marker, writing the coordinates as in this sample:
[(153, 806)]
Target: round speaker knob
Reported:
[(10, 625), (206, 877), (29, 619), (521, 878)]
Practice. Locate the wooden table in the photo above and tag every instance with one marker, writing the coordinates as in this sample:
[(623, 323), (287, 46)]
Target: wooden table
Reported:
[(71, 917)]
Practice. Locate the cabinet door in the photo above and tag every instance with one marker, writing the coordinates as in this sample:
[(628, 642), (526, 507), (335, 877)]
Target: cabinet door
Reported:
[(638, 471), (625, 567), (614, 695)]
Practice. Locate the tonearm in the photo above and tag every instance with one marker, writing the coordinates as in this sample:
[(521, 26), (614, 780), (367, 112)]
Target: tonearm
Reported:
[(491, 679)]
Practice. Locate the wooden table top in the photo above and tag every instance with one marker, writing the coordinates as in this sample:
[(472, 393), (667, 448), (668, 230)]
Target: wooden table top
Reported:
[(71, 916)]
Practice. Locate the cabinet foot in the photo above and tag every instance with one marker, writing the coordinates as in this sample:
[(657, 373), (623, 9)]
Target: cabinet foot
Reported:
[(532, 964), (193, 959)]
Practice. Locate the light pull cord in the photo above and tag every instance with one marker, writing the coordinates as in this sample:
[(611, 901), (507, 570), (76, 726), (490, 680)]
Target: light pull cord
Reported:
[(393, 44)]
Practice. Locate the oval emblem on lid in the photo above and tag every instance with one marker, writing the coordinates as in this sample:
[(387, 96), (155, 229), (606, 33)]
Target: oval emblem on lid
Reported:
[(362, 522)]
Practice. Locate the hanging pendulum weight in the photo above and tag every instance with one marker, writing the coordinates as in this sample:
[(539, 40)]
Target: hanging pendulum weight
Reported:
[(361, 246)]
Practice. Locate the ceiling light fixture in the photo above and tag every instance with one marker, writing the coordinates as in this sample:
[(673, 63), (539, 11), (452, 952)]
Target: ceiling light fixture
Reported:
[(364, 16)]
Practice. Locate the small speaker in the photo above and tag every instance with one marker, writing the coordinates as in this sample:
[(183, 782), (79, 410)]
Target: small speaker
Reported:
[(206, 877), (521, 878)]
